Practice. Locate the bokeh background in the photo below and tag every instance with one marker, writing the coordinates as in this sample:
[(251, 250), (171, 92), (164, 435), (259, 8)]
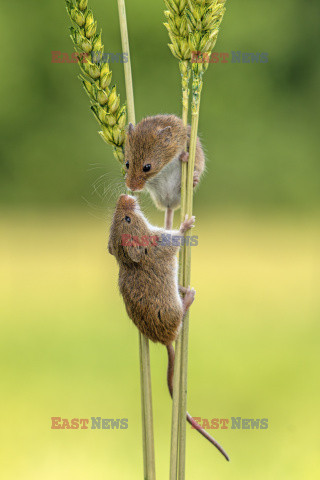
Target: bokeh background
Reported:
[(67, 347)]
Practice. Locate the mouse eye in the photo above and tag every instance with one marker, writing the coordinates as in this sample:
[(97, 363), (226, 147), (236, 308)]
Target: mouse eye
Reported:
[(127, 165), (127, 219), (147, 168)]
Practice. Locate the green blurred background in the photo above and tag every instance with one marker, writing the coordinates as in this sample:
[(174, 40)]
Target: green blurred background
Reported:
[(67, 347)]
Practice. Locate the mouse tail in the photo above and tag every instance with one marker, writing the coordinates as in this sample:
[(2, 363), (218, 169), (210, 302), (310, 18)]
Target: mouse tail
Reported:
[(192, 422)]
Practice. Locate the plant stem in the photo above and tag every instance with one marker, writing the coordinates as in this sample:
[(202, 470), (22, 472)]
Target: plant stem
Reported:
[(175, 412), (145, 374), (196, 94), (185, 78), (143, 413), (127, 65), (147, 410)]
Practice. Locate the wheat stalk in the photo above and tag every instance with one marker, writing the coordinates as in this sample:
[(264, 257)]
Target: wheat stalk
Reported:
[(145, 371), (193, 27), (96, 76), (204, 19), (178, 33)]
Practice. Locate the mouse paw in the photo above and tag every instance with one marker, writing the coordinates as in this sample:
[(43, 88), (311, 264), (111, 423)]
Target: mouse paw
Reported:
[(182, 289), (184, 157), (196, 179), (187, 224), (188, 298)]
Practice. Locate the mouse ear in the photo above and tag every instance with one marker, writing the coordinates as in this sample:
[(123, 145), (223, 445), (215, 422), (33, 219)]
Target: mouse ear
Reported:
[(135, 253), (110, 246), (165, 134), (130, 129)]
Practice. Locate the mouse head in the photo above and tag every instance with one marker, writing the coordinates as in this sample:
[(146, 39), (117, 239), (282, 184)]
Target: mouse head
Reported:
[(150, 145), (128, 221)]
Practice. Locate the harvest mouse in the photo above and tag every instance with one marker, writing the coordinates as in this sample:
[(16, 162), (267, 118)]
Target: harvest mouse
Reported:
[(148, 280), (154, 150)]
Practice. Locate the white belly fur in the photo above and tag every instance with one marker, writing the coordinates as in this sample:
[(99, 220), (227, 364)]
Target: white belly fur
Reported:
[(165, 187)]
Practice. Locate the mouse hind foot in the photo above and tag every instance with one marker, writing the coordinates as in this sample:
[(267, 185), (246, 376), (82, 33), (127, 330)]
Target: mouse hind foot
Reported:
[(188, 299), (184, 157), (196, 179), (182, 289)]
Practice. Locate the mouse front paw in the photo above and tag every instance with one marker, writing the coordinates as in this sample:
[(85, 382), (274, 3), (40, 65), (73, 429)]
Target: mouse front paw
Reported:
[(187, 224)]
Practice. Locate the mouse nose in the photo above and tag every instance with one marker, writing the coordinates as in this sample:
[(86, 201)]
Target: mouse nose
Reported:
[(133, 185), (126, 201)]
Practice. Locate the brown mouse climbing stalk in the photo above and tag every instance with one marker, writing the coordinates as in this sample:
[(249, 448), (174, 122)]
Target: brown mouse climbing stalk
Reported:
[(148, 280), (155, 150)]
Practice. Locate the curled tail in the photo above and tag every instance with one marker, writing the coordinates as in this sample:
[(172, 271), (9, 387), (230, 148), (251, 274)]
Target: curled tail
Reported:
[(192, 422)]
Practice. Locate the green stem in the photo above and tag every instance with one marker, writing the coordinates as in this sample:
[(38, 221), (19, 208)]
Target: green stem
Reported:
[(196, 94), (185, 78), (143, 413), (175, 412), (145, 374), (147, 410), (127, 64)]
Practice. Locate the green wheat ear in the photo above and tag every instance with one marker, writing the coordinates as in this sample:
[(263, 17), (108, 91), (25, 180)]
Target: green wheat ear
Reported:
[(178, 31), (204, 18), (96, 77), (177, 28)]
